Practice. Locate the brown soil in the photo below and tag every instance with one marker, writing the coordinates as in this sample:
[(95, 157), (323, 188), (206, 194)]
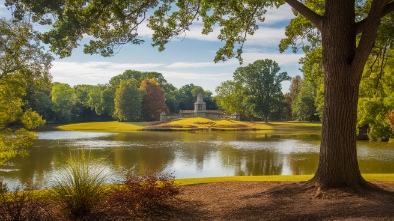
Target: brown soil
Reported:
[(275, 201), (256, 201)]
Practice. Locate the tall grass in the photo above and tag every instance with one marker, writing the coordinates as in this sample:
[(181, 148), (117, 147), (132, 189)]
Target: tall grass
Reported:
[(80, 187)]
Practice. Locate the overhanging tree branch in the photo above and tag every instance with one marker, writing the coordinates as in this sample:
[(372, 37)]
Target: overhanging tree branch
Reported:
[(306, 12), (369, 33), (387, 10)]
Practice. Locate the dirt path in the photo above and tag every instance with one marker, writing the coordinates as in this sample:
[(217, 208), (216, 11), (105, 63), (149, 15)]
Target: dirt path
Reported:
[(275, 201)]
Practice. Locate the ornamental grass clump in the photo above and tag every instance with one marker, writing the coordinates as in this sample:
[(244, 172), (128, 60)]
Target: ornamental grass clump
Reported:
[(146, 193), (80, 187)]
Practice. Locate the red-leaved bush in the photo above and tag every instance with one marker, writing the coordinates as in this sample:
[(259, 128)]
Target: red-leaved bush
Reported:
[(139, 194)]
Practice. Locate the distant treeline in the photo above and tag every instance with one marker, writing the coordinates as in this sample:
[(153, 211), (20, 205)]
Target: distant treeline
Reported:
[(131, 96)]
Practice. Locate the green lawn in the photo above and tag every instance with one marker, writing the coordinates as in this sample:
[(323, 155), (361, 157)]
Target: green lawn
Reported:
[(111, 126), (205, 123), (297, 127), (274, 178), (288, 127)]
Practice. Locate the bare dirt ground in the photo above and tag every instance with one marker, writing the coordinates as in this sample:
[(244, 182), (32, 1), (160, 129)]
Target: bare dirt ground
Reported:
[(274, 201), (256, 201)]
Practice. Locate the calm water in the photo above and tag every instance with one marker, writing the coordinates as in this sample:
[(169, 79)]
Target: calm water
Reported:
[(187, 154)]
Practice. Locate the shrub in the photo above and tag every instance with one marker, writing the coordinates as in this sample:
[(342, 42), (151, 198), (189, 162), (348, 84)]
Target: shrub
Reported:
[(20, 205), (80, 187), (142, 193)]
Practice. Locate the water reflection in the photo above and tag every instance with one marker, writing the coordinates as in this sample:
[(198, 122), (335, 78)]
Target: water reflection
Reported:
[(70, 135), (188, 154)]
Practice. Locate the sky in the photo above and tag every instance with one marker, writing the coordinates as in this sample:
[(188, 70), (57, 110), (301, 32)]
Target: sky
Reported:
[(186, 60)]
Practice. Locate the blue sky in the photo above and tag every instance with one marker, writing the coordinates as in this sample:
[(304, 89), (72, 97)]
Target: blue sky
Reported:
[(188, 59)]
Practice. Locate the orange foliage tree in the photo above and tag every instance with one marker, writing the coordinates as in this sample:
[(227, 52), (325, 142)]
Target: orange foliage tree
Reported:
[(153, 102), (391, 119)]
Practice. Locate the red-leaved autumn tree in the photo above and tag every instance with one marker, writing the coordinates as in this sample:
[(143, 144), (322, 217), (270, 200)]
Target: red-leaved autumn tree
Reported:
[(153, 103), (391, 119)]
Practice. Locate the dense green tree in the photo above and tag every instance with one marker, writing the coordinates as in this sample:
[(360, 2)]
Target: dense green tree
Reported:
[(11, 102), (261, 82), (37, 96), (230, 97), (43, 105), (376, 97), (295, 87), (128, 101), (101, 100), (304, 104), (22, 64), (94, 98), (172, 100), (63, 99), (312, 70), (169, 90), (348, 30), (291, 96), (82, 111), (139, 76), (187, 96), (108, 100), (153, 102), (287, 109)]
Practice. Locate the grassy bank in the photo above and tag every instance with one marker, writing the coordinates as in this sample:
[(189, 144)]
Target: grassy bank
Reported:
[(274, 178), (110, 126), (197, 123)]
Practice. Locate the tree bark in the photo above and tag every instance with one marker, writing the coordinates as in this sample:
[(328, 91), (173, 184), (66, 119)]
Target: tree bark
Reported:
[(338, 166), (343, 62)]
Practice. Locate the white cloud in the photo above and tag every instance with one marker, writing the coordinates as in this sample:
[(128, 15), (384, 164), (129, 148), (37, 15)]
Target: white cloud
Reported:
[(144, 31), (264, 36), (199, 64), (195, 75), (4, 12), (276, 15), (281, 59), (93, 72), (209, 81)]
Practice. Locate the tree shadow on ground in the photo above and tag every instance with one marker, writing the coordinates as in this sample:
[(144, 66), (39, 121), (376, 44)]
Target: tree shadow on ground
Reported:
[(298, 202)]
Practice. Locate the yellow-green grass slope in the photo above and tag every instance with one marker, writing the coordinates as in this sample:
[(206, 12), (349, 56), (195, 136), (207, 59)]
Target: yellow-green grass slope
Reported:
[(273, 178), (110, 126), (197, 123), (200, 123)]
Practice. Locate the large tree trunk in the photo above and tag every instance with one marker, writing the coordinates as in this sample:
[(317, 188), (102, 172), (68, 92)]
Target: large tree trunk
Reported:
[(343, 63), (338, 166)]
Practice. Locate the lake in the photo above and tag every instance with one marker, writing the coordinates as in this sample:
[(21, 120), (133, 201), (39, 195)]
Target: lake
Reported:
[(187, 154)]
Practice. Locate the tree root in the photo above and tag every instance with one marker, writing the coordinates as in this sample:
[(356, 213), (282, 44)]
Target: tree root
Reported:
[(362, 188)]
